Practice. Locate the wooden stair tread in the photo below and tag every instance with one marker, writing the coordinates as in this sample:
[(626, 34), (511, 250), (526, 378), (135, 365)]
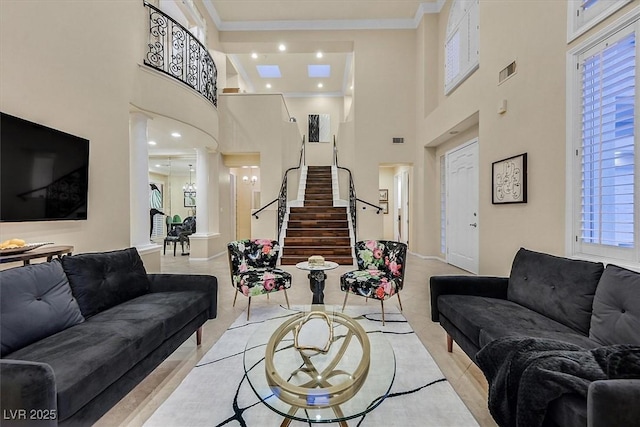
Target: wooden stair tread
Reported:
[(318, 227)]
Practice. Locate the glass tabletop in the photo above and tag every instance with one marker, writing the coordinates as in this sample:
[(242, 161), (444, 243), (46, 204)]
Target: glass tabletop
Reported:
[(350, 379)]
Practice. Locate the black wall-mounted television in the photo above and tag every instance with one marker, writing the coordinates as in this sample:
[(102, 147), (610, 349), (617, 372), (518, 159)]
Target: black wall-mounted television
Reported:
[(43, 172)]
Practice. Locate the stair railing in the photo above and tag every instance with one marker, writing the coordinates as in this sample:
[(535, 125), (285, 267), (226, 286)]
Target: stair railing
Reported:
[(282, 194), (174, 51), (353, 199)]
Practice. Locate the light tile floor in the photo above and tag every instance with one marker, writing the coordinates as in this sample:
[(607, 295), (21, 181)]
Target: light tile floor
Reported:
[(462, 373)]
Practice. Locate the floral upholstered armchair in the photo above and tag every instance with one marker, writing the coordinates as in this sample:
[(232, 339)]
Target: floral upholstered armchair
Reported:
[(253, 269), (380, 272)]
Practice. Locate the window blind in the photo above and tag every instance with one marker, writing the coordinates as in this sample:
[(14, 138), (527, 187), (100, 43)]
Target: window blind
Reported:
[(608, 144), (461, 47), (443, 205)]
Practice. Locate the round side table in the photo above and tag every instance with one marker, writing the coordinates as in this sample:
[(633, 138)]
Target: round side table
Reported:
[(317, 277)]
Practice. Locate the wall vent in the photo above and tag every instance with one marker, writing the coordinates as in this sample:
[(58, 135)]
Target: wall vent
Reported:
[(507, 72), (398, 140)]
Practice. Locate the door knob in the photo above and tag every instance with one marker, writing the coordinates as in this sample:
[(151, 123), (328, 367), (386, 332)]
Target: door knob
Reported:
[(475, 224)]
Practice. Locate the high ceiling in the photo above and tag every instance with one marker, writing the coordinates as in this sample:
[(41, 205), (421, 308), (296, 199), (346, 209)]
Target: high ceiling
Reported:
[(173, 155), (316, 10), (269, 15)]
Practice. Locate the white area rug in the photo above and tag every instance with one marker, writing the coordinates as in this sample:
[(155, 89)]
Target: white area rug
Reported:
[(216, 392)]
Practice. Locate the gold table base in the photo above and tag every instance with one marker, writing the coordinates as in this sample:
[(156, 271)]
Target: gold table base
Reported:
[(330, 396)]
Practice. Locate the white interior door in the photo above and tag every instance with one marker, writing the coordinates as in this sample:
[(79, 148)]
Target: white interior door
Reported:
[(404, 203), (462, 207), (401, 207)]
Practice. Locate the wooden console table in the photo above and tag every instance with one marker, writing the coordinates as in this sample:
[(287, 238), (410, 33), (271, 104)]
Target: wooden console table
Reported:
[(47, 252)]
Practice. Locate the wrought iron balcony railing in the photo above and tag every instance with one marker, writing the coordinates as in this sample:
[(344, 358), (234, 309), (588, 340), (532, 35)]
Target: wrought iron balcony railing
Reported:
[(177, 53)]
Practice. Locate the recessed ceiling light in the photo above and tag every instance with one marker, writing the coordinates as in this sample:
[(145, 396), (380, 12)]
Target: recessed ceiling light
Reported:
[(152, 143), (157, 166), (176, 135), (282, 47), (319, 55), (351, 87), (268, 85), (254, 55), (320, 85)]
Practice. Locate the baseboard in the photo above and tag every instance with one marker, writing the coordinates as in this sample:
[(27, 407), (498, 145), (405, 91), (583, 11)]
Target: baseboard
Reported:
[(429, 257)]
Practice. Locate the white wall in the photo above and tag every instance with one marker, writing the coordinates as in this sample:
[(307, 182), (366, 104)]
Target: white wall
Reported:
[(318, 153), (533, 34), (59, 67), (76, 66)]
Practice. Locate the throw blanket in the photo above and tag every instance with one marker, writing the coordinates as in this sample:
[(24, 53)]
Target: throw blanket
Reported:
[(526, 374)]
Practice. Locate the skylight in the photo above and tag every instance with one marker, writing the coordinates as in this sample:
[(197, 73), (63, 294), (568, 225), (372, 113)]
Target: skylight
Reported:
[(319, 70), (269, 71)]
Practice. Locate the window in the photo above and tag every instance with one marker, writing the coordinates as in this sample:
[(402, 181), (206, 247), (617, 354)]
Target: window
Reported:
[(461, 47), (605, 220), (443, 206), (585, 14)]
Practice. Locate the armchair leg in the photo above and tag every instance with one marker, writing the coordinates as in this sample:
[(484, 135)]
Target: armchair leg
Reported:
[(382, 306), (346, 294), (199, 336), (234, 298), (449, 343), (286, 298), (399, 300), (249, 308)]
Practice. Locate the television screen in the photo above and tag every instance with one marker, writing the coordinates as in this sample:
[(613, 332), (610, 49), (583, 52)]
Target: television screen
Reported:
[(44, 172)]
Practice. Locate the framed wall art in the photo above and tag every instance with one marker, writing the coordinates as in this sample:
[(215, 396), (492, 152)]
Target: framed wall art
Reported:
[(384, 206), (509, 180), (319, 128), (189, 199), (383, 195)]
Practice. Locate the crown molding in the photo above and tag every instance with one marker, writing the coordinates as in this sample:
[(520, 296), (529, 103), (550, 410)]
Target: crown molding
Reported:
[(325, 25)]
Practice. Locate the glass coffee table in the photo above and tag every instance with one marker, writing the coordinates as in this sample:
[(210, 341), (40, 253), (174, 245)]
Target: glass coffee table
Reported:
[(350, 379)]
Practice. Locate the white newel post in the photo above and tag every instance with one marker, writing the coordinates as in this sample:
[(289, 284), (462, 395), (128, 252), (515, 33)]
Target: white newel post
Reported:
[(202, 193), (139, 180)]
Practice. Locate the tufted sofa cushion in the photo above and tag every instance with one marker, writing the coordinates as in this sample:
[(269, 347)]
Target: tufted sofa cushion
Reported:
[(36, 303), (103, 280), (559, 288), (616, 307)]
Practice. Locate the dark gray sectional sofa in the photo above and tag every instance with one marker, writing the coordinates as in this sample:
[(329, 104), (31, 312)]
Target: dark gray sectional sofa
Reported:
[(548, 300), (79, 334)]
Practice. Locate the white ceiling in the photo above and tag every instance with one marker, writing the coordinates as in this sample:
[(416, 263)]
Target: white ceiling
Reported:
[(173, 154), (316, 10), (269, 15)]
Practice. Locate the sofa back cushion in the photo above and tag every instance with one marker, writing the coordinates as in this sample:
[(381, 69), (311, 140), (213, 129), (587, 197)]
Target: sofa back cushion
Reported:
[(36, 303), (559, 288), (616, 308), (105, 279)]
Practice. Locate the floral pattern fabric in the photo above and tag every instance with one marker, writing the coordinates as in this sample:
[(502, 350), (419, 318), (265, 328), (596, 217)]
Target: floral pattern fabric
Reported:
[(253, 267), (380, 271)]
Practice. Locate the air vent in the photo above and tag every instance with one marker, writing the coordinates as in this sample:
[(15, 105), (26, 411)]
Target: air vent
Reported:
[(507, 72), (398, 140)]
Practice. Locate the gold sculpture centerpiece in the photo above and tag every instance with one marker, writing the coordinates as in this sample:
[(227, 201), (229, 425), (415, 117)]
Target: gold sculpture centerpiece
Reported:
[(324, 380)]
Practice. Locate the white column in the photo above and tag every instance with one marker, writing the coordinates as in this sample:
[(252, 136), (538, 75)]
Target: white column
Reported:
[(139, 180), (202, 193)]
